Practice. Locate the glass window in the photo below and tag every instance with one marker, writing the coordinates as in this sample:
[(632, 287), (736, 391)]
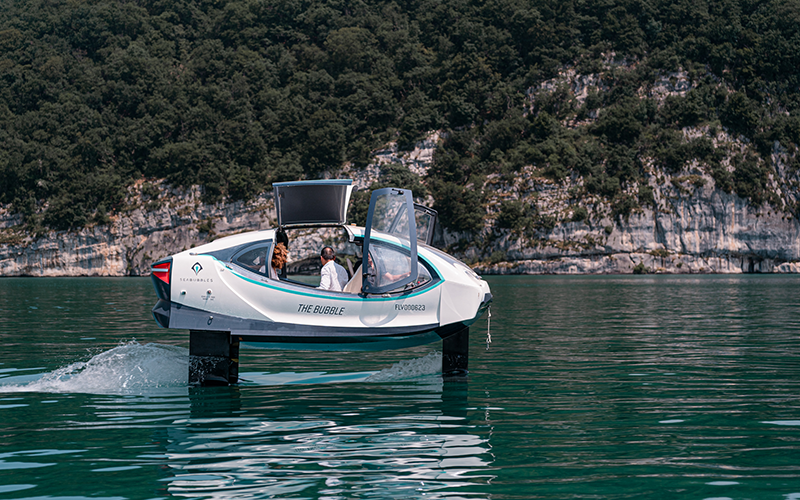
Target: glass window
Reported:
[(254, 259), (424, 275), (390, 265), (389, 212), (426, 223), (390, 216)]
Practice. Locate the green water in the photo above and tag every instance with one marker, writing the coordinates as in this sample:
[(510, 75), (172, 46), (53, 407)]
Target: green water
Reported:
[(592, 387)]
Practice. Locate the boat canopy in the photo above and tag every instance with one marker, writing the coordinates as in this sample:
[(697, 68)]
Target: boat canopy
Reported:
[(319, 202)]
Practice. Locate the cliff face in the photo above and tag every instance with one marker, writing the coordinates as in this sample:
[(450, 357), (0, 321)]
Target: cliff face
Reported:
[(702, 231), (157, 225), (133, 240), (692, 227)]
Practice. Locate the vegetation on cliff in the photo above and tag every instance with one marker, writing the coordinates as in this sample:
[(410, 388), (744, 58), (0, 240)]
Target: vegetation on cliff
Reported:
[(235, 95)]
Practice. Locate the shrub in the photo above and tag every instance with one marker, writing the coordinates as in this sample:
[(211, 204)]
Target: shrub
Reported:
[(514, 214), (206, 226), (459, 208), (497, 257), (621, 123), (623, 205), (359, 206), (580, 214), (150, 191), (545, 223), (646, 196), (750, 178), (660, 252), (722, 177)]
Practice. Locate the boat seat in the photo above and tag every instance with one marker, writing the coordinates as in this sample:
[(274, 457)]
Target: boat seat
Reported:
[(354, 285)]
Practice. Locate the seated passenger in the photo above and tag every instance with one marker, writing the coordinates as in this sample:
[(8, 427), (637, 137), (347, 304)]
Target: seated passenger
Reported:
[(374, 278), (279, 256), (354, 285), (332, 276)]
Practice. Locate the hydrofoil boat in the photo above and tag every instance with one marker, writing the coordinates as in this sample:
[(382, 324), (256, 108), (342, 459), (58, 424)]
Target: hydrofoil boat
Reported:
[(403, 292)]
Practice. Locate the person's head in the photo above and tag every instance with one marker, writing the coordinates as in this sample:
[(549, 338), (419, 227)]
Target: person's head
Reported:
[(279, 256), (327, 254)]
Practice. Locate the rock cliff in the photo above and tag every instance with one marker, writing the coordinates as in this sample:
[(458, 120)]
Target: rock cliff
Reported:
[(702, 230), (691, 227), (160, 221)]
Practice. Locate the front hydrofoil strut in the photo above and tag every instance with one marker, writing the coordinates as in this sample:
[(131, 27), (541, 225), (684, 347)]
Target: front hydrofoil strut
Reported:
[(213, 358)]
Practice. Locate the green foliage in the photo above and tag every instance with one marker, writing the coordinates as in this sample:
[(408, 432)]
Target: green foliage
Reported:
[(580, 214), (101, 215), (459, 208), (524, 218), (623, 205), (516, 215), (741, 114), (149, 191), (395, 175), (722, 178), (497, 257), (545, 223), (646, 196), (236, 95), (621, 123), (359, 206), (206, 226), (750, 178)]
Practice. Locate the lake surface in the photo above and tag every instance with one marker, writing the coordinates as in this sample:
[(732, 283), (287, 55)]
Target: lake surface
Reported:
[(592, 387)]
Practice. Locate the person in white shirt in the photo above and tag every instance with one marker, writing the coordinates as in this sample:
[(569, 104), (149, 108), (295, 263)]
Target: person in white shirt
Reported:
[(333, 276)]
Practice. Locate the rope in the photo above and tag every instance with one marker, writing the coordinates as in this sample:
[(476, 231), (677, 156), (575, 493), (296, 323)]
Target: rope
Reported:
[(489, 329)]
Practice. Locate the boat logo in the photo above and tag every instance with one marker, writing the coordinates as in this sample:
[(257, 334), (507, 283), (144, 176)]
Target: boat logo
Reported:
[(197, 268)]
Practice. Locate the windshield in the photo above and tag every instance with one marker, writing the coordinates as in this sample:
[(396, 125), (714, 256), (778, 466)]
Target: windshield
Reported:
[(389, 213)]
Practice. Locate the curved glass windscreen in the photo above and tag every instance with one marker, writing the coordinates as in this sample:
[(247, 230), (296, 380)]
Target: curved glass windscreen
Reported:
[(426, 223), (390, 212), (255, 258), (389, 265)]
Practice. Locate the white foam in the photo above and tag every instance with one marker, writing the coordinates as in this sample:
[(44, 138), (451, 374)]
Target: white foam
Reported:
[(409, 369), (782, 422), (129, 368)]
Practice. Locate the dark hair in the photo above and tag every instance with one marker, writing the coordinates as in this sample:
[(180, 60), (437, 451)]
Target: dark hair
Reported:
[(327, 253)]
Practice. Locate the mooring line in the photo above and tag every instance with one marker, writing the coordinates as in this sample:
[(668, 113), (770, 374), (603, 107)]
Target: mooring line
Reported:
[(489, 329)]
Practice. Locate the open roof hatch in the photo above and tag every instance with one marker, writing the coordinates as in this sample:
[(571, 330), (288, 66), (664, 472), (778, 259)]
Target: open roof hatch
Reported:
[(311, 203)]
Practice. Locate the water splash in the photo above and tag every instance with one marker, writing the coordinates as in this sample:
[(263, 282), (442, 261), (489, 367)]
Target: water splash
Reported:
[(133, 368), (410, 369), (129, 368)]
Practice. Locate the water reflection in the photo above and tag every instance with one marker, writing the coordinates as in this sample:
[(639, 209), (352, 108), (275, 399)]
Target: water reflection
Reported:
[(389, 441), (604, 387)]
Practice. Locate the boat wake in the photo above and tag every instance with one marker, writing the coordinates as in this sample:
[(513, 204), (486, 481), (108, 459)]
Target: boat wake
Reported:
[(410, 369), (134, 368), (130, 368), (406, 370)]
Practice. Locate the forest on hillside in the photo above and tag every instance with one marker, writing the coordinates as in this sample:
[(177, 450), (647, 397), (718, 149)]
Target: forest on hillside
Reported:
[(232, 96)]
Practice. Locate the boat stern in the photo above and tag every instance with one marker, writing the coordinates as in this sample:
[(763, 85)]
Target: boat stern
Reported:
[(161, 276)]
